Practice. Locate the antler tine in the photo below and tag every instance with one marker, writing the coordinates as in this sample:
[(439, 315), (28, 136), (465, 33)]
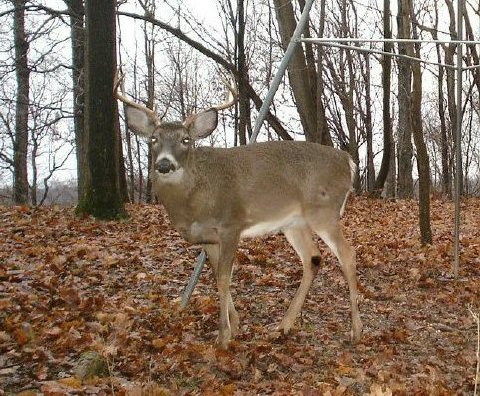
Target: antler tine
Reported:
[(149, 112), (232, 94)]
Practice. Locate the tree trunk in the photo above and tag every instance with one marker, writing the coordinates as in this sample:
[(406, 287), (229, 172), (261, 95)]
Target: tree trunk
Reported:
[(405, 148), (34, 175), (444, 141), (391, 182), (347, 98), (422, 153), (388, 143), (451, 91), (244, 106), (303, 89), (150, 63), (475, 59), (103, 198), (369, 127), (122, 171), (20, 146), (77, 31), (322, 126)]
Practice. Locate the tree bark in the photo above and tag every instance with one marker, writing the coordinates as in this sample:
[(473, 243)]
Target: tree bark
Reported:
[(423, 166), (77, 31), (388, 143), (391, 182), (322, 126), (451, 91), (150, 63), (405, 147), (369, 127), (444, 141), (302, 87), (244, 106), (103, 198), (20, 146)]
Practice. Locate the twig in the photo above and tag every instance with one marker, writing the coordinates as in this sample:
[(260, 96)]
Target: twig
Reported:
[(476, 318), (110, 373)]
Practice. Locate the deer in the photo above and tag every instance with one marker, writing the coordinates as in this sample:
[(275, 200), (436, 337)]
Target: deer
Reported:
[(215, 197)]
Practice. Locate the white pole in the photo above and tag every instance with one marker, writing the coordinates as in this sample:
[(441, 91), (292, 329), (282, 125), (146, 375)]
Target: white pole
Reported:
[(374, 51), (384, 40)]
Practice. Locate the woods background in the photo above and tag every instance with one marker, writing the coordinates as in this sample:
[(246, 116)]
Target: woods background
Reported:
[(72, 286), (370, 105)]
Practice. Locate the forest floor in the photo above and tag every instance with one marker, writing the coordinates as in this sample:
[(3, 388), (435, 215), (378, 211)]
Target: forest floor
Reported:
[(70, 285)]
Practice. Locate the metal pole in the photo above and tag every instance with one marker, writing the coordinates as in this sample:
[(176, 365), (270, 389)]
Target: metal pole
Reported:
[(373, 51), (202, 257), (383, 40), (292, 45), (458, 134)]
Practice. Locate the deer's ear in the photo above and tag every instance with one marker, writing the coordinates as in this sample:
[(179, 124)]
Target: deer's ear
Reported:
[(202, 124), (139, 121)]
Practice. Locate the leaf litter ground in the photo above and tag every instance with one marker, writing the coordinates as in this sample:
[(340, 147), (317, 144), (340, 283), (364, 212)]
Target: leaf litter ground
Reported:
[(70, 285)]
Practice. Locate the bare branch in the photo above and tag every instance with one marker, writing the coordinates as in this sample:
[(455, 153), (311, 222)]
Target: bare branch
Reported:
[(271, 119)]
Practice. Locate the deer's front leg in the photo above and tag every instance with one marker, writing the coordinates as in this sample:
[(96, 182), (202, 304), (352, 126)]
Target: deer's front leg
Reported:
[(213, 252), (224, 274)]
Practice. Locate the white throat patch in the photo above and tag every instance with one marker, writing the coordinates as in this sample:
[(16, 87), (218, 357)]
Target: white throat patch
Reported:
[(170, 177)]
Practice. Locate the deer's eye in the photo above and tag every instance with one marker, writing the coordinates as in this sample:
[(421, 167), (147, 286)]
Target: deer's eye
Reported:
[(186, 141), (154, 140)]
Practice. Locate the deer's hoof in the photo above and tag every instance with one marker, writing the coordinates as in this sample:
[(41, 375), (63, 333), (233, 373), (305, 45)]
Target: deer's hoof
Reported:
[(222, 342), (283, 328), (356, 333)]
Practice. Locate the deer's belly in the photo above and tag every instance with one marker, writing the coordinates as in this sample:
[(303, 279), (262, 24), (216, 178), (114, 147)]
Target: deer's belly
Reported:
[(273, 226)]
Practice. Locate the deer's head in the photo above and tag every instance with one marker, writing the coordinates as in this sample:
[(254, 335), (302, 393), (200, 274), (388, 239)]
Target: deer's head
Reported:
[(172, 141)]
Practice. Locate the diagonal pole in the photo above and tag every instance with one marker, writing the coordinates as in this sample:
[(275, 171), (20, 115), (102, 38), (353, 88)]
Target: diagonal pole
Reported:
[(294, 41), (277, 79), (202, 257)]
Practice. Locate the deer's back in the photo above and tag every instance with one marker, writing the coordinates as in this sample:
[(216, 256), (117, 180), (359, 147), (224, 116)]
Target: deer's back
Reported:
[(277, 175)]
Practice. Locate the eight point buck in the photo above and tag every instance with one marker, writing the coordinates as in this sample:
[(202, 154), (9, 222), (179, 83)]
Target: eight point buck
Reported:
[(216, 196)]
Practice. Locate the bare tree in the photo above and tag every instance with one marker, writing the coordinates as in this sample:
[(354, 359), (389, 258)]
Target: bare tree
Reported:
[(405, 147), (388, 143), (367, 122), (20, 148), (103, 197), (299, 73), (417, 128), (444, 140), (449, 55), (322, 125), (77, 33), (241, 60)]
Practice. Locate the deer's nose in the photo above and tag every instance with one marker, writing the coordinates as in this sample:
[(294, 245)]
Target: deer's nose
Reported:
[(164, 166)]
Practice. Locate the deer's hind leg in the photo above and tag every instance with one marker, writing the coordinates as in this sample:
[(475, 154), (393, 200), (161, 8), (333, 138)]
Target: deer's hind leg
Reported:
[(300, 237), (330, 231)]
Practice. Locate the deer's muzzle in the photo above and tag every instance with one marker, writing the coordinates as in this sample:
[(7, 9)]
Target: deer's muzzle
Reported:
[(165, 166)]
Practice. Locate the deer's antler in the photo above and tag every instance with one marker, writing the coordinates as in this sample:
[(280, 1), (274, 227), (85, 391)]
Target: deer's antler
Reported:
[(119, 82), (232, 94)]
